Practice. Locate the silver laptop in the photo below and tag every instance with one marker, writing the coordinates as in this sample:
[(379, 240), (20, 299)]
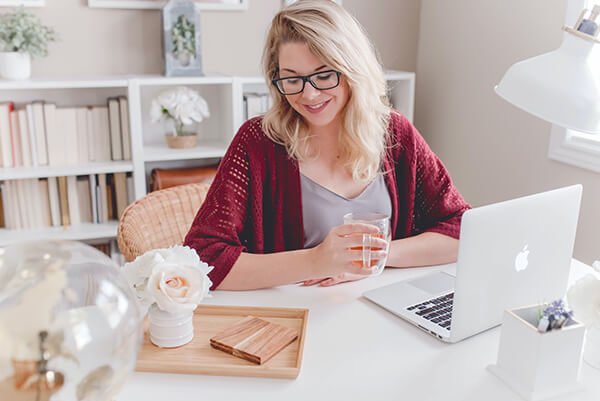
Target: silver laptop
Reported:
[(510, 254)]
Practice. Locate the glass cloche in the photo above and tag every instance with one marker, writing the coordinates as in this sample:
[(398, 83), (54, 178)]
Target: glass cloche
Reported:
[(69, 323)]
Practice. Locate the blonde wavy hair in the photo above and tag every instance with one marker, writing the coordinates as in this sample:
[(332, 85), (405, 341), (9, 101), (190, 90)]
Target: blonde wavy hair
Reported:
[(337, 39)]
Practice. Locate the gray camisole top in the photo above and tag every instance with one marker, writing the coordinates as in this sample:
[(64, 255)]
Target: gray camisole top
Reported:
[(323, 209)]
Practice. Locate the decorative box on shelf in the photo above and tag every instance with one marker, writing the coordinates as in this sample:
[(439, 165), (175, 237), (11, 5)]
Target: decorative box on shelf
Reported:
[(538, 365)]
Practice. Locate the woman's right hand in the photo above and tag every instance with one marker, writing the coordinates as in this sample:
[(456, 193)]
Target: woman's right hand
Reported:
[(341, 251)]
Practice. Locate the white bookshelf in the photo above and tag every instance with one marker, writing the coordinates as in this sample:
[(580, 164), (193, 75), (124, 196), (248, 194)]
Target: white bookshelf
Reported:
[(79, 232), (202, 5), (206, 150), (223, 93), (19, 173)]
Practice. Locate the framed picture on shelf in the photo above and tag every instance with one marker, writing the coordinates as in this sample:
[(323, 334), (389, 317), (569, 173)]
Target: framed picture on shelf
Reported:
[(288, 2), (181, 39), (220, 5), (26, 3)]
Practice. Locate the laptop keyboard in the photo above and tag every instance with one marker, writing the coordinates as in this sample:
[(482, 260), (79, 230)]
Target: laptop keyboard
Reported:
[(437, 310)]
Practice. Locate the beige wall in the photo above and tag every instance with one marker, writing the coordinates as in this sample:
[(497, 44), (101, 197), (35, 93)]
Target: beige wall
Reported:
[(99, 41), (493, 150)]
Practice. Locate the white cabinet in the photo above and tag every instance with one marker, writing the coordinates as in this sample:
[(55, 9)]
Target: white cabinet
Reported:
[(224, 95)]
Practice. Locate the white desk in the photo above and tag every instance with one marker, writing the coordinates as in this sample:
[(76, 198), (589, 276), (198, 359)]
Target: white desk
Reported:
[(356, 350)]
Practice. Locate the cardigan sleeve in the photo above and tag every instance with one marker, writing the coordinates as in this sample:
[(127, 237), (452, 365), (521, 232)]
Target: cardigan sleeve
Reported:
[(438, 206), (215, 231)]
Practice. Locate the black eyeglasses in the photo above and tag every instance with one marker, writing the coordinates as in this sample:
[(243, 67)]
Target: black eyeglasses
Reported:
[(321, 80)]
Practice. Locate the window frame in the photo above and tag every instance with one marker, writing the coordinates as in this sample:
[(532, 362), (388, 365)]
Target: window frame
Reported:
[(567, 145)]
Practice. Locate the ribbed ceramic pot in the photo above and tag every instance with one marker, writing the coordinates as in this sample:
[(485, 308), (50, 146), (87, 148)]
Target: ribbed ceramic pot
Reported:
[(169, 330), (181, 141)]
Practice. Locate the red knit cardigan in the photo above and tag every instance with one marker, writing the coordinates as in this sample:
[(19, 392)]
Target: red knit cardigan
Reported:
[(255, 204)]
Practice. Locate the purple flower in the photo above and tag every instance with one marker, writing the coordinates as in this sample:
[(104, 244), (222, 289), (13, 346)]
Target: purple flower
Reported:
[(557, 315)]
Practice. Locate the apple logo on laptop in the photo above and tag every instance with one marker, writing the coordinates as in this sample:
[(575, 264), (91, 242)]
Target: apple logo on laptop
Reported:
[(521, 261)]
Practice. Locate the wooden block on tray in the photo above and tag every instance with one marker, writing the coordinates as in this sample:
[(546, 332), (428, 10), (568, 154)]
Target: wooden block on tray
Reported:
[(254, 339)]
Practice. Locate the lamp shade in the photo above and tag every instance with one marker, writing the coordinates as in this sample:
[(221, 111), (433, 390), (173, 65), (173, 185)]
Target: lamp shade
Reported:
[(562, 87)]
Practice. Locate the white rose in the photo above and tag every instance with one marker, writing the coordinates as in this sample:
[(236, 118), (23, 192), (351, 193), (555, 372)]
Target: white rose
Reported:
[(178, 289), (147, 267), (584, 299)]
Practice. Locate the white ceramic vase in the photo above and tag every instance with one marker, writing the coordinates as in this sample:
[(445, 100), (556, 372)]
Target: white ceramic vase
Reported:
[(169, 330), (15, 65), (591, 349)]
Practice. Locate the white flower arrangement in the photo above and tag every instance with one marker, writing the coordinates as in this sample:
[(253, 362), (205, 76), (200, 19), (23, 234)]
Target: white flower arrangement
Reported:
[(175, 279), (21, 31), (182, 105), (584, 299)]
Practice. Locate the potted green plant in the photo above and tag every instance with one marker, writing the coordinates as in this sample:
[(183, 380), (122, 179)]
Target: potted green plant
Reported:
[(22, 36)]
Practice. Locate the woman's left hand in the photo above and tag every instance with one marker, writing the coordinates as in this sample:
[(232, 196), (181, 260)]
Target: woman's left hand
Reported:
[(329, 281)]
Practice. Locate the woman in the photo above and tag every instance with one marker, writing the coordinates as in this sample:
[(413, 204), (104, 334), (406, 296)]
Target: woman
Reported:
[(274, 212)]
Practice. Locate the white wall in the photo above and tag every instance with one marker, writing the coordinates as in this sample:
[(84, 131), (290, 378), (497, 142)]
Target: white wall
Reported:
[(493, 150), (99, 41)]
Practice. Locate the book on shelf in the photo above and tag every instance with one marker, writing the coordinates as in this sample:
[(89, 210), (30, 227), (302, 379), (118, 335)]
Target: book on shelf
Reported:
[(23, 216), (120, 182), (116, 138), (73, 200), (55, 141), (90, 134), (110, 196), (2, 221), (6, 147), (39, 128), (66, 126), (32, 136), (5, 215), (255, 104), (25, 136), (81, 134), (54, 201), (85, 199), (17, 146), (45, 202), (94, 198), (124, 113), (64, 201), (130, 190), (102, 199), (101, 134)]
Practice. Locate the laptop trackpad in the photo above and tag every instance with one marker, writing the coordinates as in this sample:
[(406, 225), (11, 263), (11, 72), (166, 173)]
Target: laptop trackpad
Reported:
[(436, 283)]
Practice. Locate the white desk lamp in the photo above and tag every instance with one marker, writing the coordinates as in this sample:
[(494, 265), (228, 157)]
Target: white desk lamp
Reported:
[(563, 86)]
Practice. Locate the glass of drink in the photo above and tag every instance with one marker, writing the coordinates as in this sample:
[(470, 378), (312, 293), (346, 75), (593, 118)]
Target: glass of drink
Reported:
[(381, 221)]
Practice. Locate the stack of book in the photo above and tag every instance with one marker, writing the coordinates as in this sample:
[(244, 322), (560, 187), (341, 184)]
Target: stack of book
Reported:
[(256, 104), (41, 134), (63, 201)]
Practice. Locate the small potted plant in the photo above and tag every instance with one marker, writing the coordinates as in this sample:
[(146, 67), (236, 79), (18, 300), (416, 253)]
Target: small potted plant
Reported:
[(22, 36), (540, 350), (183, 107), (169, 283)]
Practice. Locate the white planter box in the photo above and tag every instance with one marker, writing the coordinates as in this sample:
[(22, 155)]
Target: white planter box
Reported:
[(534, 364)]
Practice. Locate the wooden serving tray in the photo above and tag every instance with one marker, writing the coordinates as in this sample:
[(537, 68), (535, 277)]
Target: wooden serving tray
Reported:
[(198, 357)]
